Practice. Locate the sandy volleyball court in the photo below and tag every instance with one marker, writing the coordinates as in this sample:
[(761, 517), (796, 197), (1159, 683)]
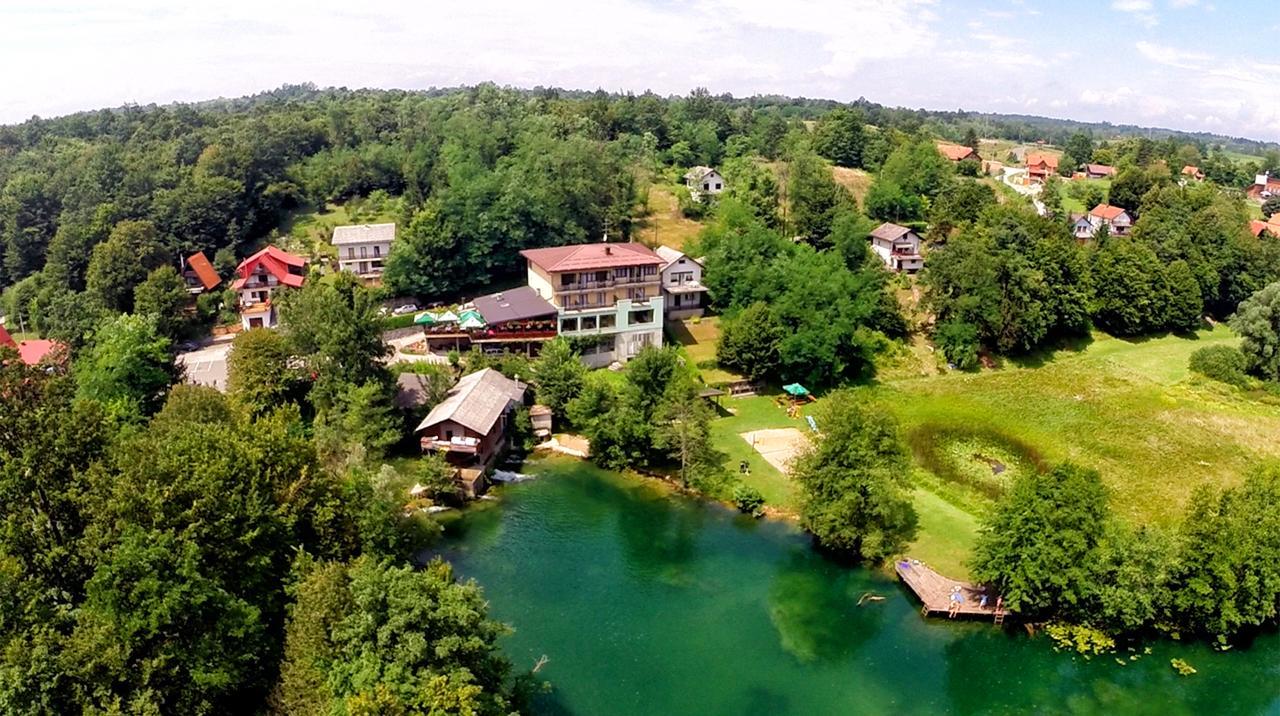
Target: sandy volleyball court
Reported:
[(778, 445)]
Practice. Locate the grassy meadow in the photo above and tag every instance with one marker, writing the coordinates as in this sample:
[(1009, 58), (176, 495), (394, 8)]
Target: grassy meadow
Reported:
[(1128, 408), (664, 224)]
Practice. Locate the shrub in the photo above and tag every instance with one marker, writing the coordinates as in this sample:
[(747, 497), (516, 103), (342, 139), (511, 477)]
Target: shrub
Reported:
[(958, 342), (748, 499), (1220, 363)]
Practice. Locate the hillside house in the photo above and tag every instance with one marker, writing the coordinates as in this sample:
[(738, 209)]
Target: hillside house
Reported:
[(199, 274), (683, 294), (1257, 227), (1264, 187), (517, 320), (702, 180), (1192, 172), (363, 248), (1117, 221), (608, 293), (470, 426), (1099, 171), (1081, 228), (956, 152), (898, 247), (257, 279), (1041, 166)]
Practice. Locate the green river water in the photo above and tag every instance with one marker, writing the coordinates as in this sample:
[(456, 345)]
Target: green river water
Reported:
[(649, 603)]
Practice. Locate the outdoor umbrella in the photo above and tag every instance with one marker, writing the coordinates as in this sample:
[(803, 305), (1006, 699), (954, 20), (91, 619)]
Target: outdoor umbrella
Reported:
[(796, 390), (425, 318), (447, 317), (471, 320)]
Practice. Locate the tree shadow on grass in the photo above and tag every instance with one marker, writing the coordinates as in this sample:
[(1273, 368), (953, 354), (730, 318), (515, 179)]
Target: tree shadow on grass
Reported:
[(1046, 354)]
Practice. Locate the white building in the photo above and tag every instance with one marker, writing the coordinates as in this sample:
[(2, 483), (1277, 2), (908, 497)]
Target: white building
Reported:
[(898, 247), (703, 180), (682, 290), (363, 248), (608, 296)]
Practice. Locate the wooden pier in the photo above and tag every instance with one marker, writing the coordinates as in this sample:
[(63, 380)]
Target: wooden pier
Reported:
[(935, 593)]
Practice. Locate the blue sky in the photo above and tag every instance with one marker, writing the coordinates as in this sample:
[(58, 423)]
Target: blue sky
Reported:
[(1187, 64)]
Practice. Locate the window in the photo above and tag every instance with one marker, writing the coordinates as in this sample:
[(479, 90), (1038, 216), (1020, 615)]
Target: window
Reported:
[(648, 270), (717, 186), (364, 251), (377, 252), (602, 275), (642, 316), (351, 252), (636, 294), (568, 324), (621, 273), (608, 321), (567, 279), (706, 186), (588, 323)]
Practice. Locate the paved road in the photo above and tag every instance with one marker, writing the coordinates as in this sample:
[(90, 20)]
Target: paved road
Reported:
[(1032, 190), (207, 365)]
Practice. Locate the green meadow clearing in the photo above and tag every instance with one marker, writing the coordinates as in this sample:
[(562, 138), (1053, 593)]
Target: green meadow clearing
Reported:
[(1128, 408)]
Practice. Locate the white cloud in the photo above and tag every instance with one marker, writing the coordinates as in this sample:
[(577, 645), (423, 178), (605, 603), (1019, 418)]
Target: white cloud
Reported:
[(1141, 10), (81, 54)]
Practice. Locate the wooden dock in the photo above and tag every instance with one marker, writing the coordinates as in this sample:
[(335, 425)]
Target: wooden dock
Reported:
[(935, 593)]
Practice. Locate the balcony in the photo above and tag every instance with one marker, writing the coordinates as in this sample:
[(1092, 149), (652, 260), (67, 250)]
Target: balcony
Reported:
[(468, 446), (600, 284)]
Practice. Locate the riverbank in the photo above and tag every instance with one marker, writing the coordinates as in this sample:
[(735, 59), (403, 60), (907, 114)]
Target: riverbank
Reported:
[(645, 601)]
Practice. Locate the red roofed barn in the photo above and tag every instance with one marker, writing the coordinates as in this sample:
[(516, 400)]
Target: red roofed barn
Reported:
[(956, 152)]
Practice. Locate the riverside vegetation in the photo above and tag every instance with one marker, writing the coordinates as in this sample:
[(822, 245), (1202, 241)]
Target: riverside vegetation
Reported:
[(168, 549)]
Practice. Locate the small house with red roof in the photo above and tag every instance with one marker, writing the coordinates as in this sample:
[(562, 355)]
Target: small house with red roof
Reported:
[(1117, 221), (257, 279), (1041, 166), (1099, 171), (1264, 187), (609, 295), (1257, 226), (1193, 172), (199, 274), (956, 152), (34, 352)]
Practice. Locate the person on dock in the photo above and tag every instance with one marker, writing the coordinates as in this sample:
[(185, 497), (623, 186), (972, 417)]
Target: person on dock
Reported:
[(957, 599)]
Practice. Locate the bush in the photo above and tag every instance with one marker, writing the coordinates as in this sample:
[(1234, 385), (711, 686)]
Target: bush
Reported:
[(748, 499), (391, 323), (1221, 363), (958, 342)]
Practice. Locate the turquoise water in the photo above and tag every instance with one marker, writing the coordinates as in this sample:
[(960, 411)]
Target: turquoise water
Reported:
[(650, 603)]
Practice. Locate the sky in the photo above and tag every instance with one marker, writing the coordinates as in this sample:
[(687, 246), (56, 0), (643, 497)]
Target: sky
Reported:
[(1184, 64)]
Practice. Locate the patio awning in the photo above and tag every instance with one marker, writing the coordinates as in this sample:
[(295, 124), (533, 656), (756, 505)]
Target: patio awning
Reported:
[(425, 318), (796, 390), (447, 317), (471, 321)]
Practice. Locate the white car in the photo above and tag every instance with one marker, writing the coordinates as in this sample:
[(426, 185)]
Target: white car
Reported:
[(406, 308)]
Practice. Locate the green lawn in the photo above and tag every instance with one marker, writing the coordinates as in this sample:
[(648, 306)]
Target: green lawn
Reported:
[(756, 413), (1073, 205), (1129, 408), (310, 230), (698, 338)]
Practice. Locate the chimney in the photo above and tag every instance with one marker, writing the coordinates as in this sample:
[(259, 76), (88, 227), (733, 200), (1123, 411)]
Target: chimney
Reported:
[(608, 250)]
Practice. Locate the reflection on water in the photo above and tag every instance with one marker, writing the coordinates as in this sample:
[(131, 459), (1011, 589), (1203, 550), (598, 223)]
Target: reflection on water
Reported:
[(649, 603)]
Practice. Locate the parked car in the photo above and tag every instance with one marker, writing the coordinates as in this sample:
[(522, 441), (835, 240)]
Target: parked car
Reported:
[(403, 309)]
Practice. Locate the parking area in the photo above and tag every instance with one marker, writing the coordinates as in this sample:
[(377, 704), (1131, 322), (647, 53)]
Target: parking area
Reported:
[(207, 365)]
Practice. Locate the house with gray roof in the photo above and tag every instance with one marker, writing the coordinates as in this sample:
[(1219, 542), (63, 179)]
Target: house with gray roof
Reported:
[(702, 180), (469, 427), (363, 248), (898, 247)]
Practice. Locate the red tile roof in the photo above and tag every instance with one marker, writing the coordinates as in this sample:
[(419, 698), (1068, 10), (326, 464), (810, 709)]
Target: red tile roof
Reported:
[(1106, 211), (585, 257), (1191, 171), (6, 339), (1102, 169), (36, 351), (276, 262), (1049, 160), (1256, 227), (203, 270), (955, 152)]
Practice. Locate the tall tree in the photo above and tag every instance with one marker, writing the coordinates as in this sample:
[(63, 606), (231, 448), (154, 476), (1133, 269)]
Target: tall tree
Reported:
[(163, 296), (1039, 544), (558, 375), (127, 366), (854, 481)]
